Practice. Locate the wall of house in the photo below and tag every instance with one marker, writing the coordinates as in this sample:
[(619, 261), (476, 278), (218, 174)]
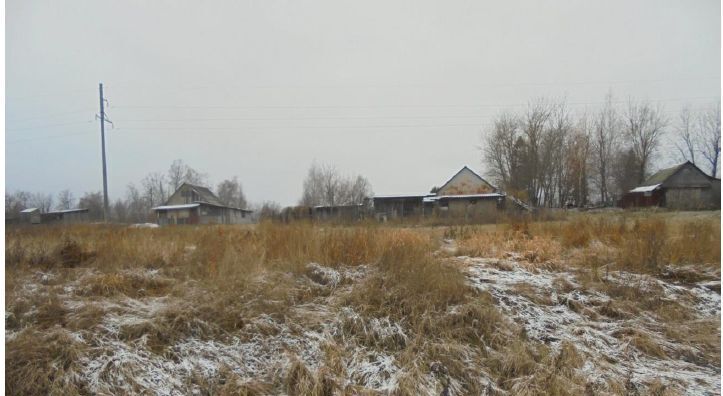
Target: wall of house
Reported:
[(693, 198), (220, 215), (180, 216), (480, 209), (715, 193), (465, 182), (689, 176), (184, 195), (400, 207)]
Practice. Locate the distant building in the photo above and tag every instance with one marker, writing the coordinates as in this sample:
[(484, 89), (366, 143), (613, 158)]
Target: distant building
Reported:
[(681, 187), (30, 216), (338, 212), (465, 195), (192, 204), (68, 216)]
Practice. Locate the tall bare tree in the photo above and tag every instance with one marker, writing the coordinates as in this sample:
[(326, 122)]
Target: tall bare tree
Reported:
[(686, 139), (645, 126), (179, 173), (709, 135), (154, 188), (498, 149), (605, 141)]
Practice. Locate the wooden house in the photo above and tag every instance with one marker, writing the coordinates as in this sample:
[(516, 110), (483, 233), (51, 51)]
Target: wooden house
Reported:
[(192, 204)]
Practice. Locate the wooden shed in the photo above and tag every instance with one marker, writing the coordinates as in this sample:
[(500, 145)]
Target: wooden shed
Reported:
[(681, 187)]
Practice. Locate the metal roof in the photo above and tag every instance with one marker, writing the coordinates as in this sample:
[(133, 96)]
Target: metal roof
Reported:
[(174, 207), (463, 196), (28, 210), (79, 210), (644, 188)]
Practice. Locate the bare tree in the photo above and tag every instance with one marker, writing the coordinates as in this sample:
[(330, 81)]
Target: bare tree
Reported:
[(709, 135), (93, 201), (44, 202), (230, 192), (686, 138), (180, 173), (119, 211), (269, 210), (605, 140), (154, 188), (15, 202), (66, 200), (138, 208), (324, 186), (498, 149), (645, 126)]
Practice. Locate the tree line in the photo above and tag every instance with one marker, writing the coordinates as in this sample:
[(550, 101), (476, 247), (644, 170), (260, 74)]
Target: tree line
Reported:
[(139, 199), (550, 157), (323, 185)]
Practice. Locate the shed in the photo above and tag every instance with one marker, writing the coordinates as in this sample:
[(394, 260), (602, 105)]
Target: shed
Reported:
[(681, 187), (30, 216), (68, 216)]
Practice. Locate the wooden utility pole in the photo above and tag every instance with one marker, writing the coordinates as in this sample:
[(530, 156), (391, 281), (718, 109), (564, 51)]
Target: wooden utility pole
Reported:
[(106, 216)]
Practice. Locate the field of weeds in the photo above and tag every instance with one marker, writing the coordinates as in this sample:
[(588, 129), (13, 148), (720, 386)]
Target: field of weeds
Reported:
[(594, 304)]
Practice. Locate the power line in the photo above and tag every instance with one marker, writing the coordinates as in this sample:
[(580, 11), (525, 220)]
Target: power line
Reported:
[(386, 106), (44, 94), (52, 115), (48, 137), (48, 126)]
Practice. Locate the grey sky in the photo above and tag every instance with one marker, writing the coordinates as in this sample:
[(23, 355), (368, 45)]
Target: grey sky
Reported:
[(397, 91)]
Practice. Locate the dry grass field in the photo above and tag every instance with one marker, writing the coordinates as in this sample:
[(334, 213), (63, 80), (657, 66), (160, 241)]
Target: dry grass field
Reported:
[(594, 304)]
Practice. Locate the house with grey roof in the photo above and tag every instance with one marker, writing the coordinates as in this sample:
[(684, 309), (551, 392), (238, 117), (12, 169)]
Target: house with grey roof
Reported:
[(681, 187), (191, 204)]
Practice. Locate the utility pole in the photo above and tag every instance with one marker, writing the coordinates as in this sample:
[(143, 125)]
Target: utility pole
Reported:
[(106, 217)]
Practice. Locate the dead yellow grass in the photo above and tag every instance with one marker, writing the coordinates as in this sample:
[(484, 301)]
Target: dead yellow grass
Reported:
[(223, 278), (644, 243)]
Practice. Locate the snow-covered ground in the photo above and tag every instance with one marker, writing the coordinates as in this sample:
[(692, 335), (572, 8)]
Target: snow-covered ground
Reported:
[(552, 307), (607, 356)]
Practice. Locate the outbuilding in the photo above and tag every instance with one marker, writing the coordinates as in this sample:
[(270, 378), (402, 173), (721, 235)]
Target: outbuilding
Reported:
[(681, 187)]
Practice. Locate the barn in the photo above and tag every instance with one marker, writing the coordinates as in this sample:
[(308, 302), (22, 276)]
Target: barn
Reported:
[(681, 187), (191, 204)]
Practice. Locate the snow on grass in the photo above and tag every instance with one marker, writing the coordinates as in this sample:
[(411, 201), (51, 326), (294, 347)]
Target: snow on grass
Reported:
[(607, 356)]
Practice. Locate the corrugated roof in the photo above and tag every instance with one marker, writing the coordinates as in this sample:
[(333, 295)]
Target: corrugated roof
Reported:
[(28, 210)]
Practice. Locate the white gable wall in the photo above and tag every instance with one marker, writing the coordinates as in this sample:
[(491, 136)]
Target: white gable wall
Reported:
[(465, 182)]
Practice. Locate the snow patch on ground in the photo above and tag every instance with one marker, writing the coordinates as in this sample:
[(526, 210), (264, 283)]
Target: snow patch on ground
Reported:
[(606, 355)]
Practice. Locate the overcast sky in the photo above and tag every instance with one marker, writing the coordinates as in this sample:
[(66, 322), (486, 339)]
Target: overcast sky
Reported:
[(400, 92)]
